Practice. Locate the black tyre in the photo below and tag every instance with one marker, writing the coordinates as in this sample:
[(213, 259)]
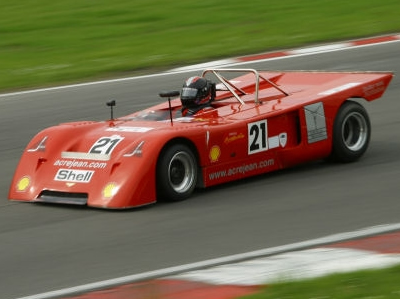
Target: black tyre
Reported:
[(351, 132), (176, 173)]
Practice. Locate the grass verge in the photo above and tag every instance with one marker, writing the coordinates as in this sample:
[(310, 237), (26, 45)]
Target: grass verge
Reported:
[(46, 42), (371, 284)]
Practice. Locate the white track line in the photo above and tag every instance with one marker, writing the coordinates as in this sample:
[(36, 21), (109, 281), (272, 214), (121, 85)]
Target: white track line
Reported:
[(375, 230), (289, 266)]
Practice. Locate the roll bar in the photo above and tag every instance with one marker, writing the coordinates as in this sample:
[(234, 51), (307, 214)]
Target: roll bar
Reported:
[(234, 89)]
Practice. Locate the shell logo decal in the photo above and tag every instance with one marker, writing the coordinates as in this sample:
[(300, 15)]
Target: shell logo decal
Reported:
[(110, 190), (215, 152), (23, 184)]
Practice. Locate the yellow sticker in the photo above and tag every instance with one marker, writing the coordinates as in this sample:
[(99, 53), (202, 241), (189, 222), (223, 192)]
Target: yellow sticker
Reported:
[(215, 152), (23, 184), (110, 190)]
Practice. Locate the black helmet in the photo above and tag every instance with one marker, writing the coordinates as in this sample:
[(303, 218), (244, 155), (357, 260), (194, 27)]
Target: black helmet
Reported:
[(196, 91)]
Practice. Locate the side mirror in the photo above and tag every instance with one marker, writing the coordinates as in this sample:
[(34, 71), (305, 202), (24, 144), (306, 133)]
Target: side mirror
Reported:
[(111, 104), (169, 94)]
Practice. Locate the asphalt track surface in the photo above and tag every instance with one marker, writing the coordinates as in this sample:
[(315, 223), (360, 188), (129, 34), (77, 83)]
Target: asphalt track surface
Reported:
[(46, 247)]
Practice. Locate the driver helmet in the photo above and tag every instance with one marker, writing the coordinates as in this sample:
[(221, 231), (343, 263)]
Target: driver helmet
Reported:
[(196, 91)]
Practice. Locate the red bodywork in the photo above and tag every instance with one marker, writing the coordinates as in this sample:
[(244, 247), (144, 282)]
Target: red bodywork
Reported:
[(112, 164)]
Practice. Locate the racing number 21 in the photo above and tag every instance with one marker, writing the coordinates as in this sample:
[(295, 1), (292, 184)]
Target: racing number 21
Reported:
[(257, 133), (105, 145)]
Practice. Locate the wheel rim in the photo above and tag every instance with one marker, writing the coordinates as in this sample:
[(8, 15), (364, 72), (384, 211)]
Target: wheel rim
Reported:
[(181, 172), (354, 131)]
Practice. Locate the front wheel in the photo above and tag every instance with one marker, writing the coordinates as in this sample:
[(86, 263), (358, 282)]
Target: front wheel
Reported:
[(176, 173), (351, 132)]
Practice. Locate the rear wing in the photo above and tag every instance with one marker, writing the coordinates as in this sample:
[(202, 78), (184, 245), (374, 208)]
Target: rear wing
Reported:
[(364, 84)]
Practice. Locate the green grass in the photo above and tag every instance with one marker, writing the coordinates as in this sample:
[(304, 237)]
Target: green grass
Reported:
[(372, 284), (47, 42)]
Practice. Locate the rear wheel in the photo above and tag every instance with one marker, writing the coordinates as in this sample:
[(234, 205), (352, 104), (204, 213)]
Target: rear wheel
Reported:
[(351, 132), (176, 173)]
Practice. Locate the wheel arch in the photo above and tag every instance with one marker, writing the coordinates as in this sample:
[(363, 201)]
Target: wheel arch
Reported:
[(189, 143), (181, 140), (343, 153), (345, 101), (357, 99)]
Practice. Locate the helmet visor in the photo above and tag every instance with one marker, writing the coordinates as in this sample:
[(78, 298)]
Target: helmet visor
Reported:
[(188, 92)]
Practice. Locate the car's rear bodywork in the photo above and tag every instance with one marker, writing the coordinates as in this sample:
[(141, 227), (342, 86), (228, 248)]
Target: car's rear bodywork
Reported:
[(261, 121)]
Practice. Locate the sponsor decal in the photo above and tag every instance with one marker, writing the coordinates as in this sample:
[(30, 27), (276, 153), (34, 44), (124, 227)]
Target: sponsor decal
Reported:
[(316, 122), (110, 190), (40, 146), (273, 142), (79, 164), (215, 152), (339, 88), (372, 89), (129, 129), (137, 151), (282, 139), (233, 137), (23, 184), (277, 141), (74, 175), (241, 170)]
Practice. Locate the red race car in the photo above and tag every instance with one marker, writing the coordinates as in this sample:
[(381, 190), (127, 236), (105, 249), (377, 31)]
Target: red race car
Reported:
[(227, 124)]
